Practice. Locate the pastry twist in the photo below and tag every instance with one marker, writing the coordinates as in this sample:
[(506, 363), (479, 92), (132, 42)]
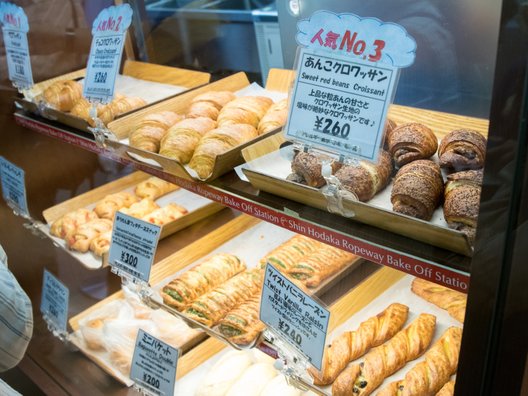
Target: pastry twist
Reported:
[(452, 301), (462, 149), (447, 390)]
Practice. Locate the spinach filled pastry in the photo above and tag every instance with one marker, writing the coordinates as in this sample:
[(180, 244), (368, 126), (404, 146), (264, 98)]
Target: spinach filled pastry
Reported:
[(285, 256), (242, 324)]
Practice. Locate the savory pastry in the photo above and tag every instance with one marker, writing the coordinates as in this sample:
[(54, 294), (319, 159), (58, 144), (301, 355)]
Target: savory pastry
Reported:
[(447, 390), (274, 118), (80, 240), (110, 204), (62, 95), (410, 142), (253, 380), (366, 179), (68, 223), (201, 279), (417, 189), (384, 360), (165, 215), (140, 209), (101, 244), (353, 344), (214, 305), (452, 301), (286, 255), (151, 129), (242, 324), (209, 104), (462, 201), (154, 188), (216, 142), (308, 166), (462, 149), (183, 137), (429, 376), (244, 110), (118, 106)]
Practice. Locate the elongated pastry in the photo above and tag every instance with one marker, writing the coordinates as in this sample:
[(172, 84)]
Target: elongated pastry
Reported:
[(244, 110), (429, 376), (351, 345), (286, 255), (101, 243), (120, 106), (447, 390), (151, 129), (209, 104), (201, 279), (242, 324), (308, 166), (214, 305), (183, 137), (68, 223), (366, 179), (110, 204), (165, 214), (462, 149), (408, 344), (274, 118), (62, 95), (80, 240), (417, 189), (410, 142), (140, 209), (454, 302), (154, 188), (216, 142)]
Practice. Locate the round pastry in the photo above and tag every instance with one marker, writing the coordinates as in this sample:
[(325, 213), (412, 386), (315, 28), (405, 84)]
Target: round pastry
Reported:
[(462, 149), (410, 142)]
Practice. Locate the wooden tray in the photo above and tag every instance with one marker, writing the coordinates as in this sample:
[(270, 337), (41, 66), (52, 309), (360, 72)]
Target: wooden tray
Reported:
[(187, 79), (278, 81), (202, 207), (265, 163)]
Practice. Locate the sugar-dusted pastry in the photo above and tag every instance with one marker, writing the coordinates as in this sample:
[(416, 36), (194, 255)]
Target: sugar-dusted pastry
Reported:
[(274, 118), (253, 380), (454, 302), (118, 106), (209, 104), (216, 142), (183, 137), (286, 255), (351, 345), (140, 209), (148, 133), (201, 279), (417, 189), (410, 142), (308, 166), (242, 324), (154, 188), (429, 376), (68, 223), (62, 95), (110, 204), (101, 244), (447, 390), (165, 214), (366, 179), (244, 110), (82, 237), (462, 149), (408, 344)]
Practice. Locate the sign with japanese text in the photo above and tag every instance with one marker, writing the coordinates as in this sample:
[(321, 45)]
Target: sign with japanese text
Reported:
[(154, 364), (54, 302), (133, 246), (297, 317), (108, 31), (13, 186), (15, 27)]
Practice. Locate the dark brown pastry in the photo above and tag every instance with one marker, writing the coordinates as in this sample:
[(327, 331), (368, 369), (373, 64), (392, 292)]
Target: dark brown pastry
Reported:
[(462, 149), (390, 126), (308, 167), (462, 200), (417, 189), (366, 179), (410, 142)]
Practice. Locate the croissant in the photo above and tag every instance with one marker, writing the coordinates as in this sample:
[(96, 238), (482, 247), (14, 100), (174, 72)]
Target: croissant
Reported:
[(274, 118), (447, 390), (110, 204), (209, 104), (462, 201), (384, 360), (451, 300), (101, 244), (82, 109), (410, 142), (216, 142), (68, 223), (462, 149), (182, 138), (165, 215), (353, 344), (140, 209), (244, 110), (242, 324), (80, 240), (308, 166), (366, 179), (151, 129), (390, 126), (154, 188), (120, 106), (417, 189), (429, 376), (62, 95), (286, 255)]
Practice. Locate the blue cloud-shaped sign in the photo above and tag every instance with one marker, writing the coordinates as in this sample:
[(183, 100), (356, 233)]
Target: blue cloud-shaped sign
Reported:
[(351, 35), (112, 20), (13, 17)]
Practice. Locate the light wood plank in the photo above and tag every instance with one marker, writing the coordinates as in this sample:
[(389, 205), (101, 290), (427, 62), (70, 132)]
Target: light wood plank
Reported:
[(165, 74)]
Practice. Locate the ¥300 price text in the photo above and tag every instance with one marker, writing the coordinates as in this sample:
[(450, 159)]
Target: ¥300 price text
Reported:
[(129, 259)]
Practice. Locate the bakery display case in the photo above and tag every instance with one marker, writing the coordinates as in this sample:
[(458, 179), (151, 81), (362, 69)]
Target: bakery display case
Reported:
[(419, 257)]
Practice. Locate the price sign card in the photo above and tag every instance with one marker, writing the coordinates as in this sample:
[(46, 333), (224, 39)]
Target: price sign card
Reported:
[(108, 31), (133, 246), (154, 364), (13, 186), (297, 317), (54, 302), (14, 28)]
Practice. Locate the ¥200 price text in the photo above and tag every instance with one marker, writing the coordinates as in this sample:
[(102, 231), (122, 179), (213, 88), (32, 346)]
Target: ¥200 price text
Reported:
[(150, 380)]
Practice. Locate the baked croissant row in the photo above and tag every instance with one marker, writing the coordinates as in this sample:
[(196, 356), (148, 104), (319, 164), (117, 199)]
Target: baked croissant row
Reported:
[(274, 118), (462, 149), (244, 110), (447, 390), (353, 344), (285, 256), (242, 324), (454, 302), (410, 142), (151, 129), (62, 95), (209, 104), (154, 188)]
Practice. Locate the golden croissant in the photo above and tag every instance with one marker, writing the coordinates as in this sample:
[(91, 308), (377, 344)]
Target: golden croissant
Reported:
[(151, 129), (244, 110), (209, 104), (62, 95), (274, 118)]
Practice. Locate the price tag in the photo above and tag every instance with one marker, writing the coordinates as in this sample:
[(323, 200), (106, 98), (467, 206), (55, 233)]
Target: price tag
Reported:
[(297, 317), (133, 246), (154, 364), (13, 186), (14, 28), (108, 31), (54, 302)]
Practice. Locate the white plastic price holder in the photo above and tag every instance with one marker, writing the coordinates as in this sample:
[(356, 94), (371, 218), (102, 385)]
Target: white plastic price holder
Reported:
[(54, 305), (14, 187), (154, 365)]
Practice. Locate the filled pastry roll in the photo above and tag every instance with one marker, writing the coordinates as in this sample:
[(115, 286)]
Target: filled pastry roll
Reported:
[(154, 188), (274, 118), (101, 244), (285, 256), (110, 204), (410, 142), (68, 223), (165, 215), (209, 104), (244, 110), (80, 240), (140, 209), (242, 324), (62, 95), (151, 129), (462, 149)]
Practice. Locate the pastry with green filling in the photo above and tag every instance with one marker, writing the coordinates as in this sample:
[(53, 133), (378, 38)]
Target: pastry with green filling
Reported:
[(242, 325), (285, 256)]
